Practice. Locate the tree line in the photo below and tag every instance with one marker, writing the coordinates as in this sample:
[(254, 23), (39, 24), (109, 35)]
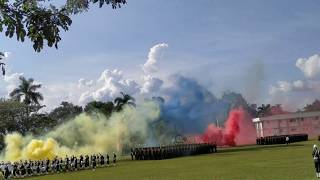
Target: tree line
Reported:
[(21, 112)]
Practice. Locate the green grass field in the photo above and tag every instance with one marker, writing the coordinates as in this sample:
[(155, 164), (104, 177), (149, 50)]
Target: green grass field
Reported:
[(247, 162)]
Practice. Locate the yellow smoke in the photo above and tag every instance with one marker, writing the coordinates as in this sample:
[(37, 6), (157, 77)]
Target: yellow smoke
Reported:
[(38, 149), (84, 134)]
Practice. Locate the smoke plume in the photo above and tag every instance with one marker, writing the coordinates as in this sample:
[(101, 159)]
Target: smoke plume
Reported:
[(238, 130), (86, 134), (191, 107)]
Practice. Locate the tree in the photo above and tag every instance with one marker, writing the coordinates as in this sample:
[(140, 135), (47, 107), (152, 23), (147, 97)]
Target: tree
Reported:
[(65, 112), (2, 64), (14, 116), (315, 106), (39, 123), (40, 20), (264, 110), (124, 100), (27, 91), (100, 107)]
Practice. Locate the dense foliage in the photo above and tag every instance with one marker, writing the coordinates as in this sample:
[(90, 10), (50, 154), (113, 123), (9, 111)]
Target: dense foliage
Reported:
[(42, 21), (22, 112)]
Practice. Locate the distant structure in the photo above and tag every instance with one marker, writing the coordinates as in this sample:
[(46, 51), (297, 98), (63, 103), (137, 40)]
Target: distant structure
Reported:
[(288, 124)]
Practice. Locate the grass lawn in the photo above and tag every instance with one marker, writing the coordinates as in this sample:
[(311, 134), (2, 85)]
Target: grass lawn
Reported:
[(247, 162)]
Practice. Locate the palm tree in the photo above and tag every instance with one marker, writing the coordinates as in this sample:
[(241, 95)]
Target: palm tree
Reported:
[(124, 100), (27, 91), (264, 110), (2, 64)]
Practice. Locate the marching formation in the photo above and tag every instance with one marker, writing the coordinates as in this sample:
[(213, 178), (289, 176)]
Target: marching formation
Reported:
[(172, 151), (283, 139), (57, 165)]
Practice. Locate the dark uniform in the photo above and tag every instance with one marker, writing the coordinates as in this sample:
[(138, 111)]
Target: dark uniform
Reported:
[(87, 163), (114, 158), (132, 154), (6, 172), (316, 158), (93, 161), (101, 160), (108, 159)]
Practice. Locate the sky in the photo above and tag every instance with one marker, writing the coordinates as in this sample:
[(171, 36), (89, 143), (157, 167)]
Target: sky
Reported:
[(266, 50)]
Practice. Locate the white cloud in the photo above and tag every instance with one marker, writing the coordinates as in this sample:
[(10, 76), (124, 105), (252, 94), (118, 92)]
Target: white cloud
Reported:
[(6, 55), (112, 82), (105, 88), (54, 94), (12, 81), (310, 66), (295, 86), (108, 86), (153, 57), (295, 94), (151, 84), (82, 83)]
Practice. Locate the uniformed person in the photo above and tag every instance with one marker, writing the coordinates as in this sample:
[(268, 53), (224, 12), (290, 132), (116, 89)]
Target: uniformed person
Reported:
[(108, 160), (287, 140), (94, 161), (114, 158), (7, 173), (87, 162), (101, 160), (132, 154), (316, 158)]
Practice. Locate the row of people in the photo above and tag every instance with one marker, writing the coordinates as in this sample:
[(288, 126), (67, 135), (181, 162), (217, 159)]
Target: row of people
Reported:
[(282, 139), (172, 151), (57, 165)]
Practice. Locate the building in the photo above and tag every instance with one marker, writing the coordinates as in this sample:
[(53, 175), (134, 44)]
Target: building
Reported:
[(286, 124)]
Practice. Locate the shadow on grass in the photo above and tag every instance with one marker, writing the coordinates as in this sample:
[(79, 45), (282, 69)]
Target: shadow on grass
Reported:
[(257, 148)]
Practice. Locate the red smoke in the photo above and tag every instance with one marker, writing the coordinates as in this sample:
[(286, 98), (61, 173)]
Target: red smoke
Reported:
[(238, 130)]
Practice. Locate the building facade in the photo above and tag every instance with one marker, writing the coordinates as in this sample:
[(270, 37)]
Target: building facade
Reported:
[(286, 124)]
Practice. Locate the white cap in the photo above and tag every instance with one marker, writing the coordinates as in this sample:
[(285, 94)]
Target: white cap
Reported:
[(314, 146)]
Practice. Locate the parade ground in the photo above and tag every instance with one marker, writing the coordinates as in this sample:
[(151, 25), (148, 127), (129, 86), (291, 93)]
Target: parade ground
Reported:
[(248, 162)]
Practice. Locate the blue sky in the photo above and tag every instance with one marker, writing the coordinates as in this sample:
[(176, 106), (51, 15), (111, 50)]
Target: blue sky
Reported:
[(215, 42)]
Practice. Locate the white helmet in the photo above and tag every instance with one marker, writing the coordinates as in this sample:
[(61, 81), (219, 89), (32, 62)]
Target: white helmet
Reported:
[(314, 146)]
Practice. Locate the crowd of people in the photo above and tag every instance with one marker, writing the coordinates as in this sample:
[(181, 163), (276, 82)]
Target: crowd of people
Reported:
[(282, 139), (172, 151), (29, 168), (57, 165)]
